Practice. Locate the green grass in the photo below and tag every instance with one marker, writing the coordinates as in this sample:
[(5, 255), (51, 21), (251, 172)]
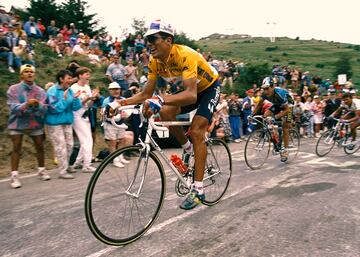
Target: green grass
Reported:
[(309, 55)]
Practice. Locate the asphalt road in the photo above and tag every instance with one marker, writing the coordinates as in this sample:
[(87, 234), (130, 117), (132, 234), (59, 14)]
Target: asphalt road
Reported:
[(310, 207)]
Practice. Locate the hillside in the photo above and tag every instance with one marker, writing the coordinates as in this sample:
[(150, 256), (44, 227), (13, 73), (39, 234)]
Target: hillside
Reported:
[(317, 57), (305, 54)]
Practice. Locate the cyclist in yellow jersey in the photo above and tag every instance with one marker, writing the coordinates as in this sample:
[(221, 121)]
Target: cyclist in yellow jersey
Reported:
[(201, 91)]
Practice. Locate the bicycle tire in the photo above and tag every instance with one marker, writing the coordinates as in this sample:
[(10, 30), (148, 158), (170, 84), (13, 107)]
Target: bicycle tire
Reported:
[(327, 139), (294, 145), (107, 199), (259, 140), (349, 151), (218, 171)]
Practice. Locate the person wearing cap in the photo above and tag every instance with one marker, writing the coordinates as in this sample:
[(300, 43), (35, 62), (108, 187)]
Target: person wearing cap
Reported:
[(179, 64), (41, 26), (115, 137), (81, 123), (351, 106), (59, 119), (247, 108), (22, 55), (5, 51), (26, 102), (280, 109), (331, 105)]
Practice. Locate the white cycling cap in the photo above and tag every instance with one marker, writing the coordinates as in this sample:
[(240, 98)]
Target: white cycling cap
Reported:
[(159, 26)]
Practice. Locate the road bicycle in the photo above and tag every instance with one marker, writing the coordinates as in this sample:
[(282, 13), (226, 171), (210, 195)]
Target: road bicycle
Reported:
[(339, 135), (264, 139), (121, 204)]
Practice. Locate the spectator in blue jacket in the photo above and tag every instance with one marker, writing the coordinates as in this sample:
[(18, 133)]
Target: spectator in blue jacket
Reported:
[(31, 28), (59, 119)]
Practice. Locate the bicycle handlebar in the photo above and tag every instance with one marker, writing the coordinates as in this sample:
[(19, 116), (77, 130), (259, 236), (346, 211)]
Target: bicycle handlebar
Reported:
[(159, 126)]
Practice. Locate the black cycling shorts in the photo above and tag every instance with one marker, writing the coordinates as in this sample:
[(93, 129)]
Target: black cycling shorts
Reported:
[(206, 102), (276, 109)]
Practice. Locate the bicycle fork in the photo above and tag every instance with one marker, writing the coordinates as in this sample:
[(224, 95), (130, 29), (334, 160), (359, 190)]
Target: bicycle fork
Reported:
[(144, 157)]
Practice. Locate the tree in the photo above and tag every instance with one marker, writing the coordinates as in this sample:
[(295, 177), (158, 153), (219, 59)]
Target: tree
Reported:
[(343, 66), (73, 11), (254, 73), (139, 26), (47, 10), (182, 39)]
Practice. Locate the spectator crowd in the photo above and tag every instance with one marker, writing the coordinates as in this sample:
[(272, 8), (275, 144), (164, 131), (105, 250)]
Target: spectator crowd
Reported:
[(71, 104)]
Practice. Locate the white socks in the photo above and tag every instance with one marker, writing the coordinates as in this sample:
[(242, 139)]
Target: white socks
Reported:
[(187, 147), (198, 185)]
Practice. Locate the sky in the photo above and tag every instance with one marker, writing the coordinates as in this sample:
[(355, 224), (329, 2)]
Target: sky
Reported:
[(330, 20)]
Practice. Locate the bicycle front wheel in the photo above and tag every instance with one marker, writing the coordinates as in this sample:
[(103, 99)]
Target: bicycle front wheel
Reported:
[(218, 171), (257, 149), (351, 148), (325, 143), (121, 204), (294, 145)]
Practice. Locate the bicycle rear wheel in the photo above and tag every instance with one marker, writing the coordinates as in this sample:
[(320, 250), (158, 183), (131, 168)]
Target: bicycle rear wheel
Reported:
[(325, 143), (294, 145), (121, 204), (257, 149), (218, 171)]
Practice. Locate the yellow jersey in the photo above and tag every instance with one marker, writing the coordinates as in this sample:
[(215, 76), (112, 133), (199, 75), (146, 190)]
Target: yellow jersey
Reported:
[(183, 63)]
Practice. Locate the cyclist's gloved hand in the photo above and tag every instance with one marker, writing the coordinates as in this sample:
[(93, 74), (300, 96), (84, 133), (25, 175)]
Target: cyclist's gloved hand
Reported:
[(155, 103)]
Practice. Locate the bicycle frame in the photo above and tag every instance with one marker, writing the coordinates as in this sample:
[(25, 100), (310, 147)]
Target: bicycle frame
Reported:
[(340, 125), (146, 146), (265, 128)]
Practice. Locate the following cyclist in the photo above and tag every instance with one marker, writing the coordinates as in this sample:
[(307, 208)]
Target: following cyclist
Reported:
[(281, 109), (180, 64), (351, 107)]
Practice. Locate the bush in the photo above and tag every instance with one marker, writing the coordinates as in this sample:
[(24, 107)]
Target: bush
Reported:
[(343, 66), (292, 63), (319, 65), (271, 48), (284, 54), (356, 47), (297, 38), (275, 60)]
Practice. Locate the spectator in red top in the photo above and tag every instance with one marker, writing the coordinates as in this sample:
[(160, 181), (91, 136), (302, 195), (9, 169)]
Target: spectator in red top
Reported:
[(41, 26), (66, 33)]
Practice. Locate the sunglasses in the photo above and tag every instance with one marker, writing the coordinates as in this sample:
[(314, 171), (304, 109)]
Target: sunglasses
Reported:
[(152, 38)]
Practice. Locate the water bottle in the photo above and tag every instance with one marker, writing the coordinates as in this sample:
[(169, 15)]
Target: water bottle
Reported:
[(178, 163)]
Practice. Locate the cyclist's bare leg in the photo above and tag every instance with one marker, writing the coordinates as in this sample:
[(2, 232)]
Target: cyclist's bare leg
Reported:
[(354, 126), (286, 127), (168, 113), (198, 130)]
